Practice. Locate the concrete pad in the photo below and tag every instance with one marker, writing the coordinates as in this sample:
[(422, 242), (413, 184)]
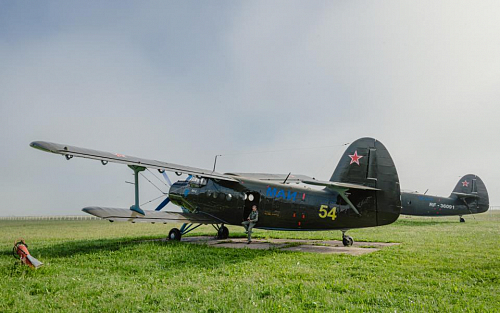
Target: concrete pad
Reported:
[(300, 245)]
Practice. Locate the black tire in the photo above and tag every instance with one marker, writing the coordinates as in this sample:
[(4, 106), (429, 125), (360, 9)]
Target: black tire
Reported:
[(223, 233), (347, 241), (174, 234), (462, 220)]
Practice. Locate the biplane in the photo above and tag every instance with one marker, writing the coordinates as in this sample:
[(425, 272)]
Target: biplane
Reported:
[(363, 191)]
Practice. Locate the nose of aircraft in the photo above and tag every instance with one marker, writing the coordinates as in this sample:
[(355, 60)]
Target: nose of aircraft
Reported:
[(176, 192)]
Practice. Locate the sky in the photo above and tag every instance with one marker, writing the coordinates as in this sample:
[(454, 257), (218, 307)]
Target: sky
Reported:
[(272, 86)]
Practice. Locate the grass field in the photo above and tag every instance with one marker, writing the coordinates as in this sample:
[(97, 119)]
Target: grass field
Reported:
[(441, 266)]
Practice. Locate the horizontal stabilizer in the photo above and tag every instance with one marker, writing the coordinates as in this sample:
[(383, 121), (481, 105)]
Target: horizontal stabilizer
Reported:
[(333, 184), (126, 215), (465, 195)]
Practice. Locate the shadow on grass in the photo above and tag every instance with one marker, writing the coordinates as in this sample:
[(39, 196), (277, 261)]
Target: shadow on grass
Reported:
[(409, 222), (69, 248), (175, 255)]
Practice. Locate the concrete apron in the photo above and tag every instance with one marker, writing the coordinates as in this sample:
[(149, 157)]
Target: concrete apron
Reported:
[(300, 245)]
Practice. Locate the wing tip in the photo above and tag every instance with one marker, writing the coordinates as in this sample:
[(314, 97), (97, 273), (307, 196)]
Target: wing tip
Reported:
[(44, 146)]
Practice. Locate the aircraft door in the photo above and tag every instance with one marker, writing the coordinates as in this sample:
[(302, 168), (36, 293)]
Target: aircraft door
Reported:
[(251, 198)]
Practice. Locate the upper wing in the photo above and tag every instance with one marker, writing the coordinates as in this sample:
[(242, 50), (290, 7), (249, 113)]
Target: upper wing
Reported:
[(301, 179), (114, 214), (334, 185), (70, 151), (273, 177)]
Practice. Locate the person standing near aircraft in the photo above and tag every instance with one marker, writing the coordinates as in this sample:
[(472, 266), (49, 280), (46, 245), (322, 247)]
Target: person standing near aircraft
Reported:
[(250, 222)]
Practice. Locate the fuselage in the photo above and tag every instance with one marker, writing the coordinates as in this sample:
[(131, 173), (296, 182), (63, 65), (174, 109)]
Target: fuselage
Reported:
[(280, 206), (424, 205)]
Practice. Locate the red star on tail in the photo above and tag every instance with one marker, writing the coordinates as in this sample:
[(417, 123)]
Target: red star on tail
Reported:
[(465, 183), (355, 158)]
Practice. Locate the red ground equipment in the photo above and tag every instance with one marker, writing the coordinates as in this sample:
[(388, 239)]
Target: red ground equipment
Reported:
[(21, 250)]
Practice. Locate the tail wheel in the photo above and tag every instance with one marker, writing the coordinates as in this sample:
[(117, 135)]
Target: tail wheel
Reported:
[(174, 234), (347, 241), (223, 233)]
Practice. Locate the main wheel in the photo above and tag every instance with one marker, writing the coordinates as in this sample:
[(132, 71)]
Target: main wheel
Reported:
[(347, 241), (174, 234), (223, 233), (462, 220)]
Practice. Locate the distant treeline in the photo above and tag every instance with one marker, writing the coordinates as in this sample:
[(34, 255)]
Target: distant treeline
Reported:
[(90, 217), (53, 218)]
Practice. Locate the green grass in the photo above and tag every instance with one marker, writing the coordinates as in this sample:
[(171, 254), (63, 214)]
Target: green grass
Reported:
[(441, 266)]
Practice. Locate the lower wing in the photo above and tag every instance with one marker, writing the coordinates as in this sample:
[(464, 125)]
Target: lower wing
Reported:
[(126, 215)]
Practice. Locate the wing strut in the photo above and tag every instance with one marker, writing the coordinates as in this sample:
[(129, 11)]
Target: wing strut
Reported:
[(137, 170)]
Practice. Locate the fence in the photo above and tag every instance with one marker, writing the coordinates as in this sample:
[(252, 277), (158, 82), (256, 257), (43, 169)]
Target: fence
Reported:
[(50, 218), (90, 217)]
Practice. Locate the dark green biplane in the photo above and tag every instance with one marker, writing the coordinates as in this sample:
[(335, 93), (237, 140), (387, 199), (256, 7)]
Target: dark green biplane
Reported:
[(362, 192)]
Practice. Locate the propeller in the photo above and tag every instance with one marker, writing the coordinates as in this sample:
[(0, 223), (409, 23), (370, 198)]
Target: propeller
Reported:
[(163, 204), (167, 199), (169, 183), (167, 178)]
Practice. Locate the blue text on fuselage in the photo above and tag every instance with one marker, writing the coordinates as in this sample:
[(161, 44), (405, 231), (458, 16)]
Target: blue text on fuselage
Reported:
[(275, 193), (425, 198)]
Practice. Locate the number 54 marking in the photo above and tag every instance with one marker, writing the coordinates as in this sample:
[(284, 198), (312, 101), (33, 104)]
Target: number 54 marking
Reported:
[(324, 213)]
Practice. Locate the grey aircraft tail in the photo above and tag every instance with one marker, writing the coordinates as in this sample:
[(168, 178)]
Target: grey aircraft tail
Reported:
[(471, 189)]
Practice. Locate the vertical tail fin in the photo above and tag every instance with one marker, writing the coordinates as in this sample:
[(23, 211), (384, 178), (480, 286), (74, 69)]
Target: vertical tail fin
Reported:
[(367, 162), (472, 185)]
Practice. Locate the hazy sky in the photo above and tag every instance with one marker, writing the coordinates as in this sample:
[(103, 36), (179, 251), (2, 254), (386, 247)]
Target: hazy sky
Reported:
[(182, 81)]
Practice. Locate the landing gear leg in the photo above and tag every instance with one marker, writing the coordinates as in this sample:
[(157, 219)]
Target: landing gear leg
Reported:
[(347, 241), (222, 231), (176, 234), (462, 220)]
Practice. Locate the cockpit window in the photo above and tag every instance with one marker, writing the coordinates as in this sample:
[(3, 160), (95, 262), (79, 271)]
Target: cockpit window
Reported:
[(196, 182)]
